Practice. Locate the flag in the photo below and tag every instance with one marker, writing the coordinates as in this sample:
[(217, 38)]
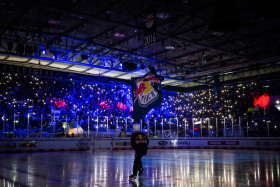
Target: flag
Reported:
[(150, 29), (146, 92)]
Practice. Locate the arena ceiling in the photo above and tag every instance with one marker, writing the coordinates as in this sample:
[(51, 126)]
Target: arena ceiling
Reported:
[(197, 41)]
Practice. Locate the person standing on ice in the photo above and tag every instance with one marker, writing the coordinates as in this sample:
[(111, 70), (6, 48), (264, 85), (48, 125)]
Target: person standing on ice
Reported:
[(139, 142)]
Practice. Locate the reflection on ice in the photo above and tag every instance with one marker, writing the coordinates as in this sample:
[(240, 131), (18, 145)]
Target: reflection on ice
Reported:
[(161, 168)]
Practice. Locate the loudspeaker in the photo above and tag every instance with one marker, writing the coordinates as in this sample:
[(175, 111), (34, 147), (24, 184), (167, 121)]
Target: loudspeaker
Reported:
[(129, 66), (28, 50), (84, 56), (20, 49)]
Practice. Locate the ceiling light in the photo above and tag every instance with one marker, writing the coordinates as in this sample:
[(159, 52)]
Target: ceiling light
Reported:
[(120, 35), (169, 47), (108, 12), (53, 22), (217, 33), (162, 15)]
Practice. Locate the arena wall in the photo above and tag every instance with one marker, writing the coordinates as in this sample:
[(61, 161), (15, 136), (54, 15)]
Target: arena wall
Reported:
[(31, 145), (203, 143), (85, 144)]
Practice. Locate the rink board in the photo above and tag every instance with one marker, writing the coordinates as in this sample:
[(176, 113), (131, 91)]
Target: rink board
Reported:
[(45, 145), (256, 143), (85, 144)]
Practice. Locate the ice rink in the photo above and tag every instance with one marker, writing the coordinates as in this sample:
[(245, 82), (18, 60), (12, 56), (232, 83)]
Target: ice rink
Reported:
[(172, 167)]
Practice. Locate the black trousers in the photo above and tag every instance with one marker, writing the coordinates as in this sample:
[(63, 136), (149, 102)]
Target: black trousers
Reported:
[(137, 165)]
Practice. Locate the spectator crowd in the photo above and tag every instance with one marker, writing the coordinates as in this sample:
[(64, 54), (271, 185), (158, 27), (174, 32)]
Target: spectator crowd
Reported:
[(54, 100)]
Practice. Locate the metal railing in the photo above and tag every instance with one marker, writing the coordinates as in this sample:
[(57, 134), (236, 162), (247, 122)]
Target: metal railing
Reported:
[(51, 125)]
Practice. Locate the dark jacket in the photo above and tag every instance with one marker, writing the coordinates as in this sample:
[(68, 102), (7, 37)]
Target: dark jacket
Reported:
[(139, 142)]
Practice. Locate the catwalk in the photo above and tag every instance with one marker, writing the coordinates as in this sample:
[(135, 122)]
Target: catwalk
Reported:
[(174, 167)]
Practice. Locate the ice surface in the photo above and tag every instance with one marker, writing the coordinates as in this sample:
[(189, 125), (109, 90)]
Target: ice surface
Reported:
[(174, 167)]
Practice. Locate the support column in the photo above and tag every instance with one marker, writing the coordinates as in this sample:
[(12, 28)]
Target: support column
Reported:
[(267, 128), (208, 119), (54, 122), (77, 125), (162, 128), (125, 126), (200, 127), (239, 126), (247, 127), (42, 124), (193, 126), (224, 127), (66, 125), (27, 124), (97, 124), (217, 130), (148, 127), (14, 128), (177, 128), (232, 127), (170, 129), (4, 120), (155, 123), (185, 127), (107, 124), (88, 127)]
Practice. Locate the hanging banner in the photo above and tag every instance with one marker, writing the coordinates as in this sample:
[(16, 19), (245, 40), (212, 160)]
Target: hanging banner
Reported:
[(150, 29), (146, 93)]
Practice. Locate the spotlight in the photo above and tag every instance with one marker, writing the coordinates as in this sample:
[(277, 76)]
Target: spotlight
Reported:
[(44, 51), (55, 54)]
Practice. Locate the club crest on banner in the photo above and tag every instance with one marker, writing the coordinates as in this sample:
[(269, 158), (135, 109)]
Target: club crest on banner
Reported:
[(146, 94)]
